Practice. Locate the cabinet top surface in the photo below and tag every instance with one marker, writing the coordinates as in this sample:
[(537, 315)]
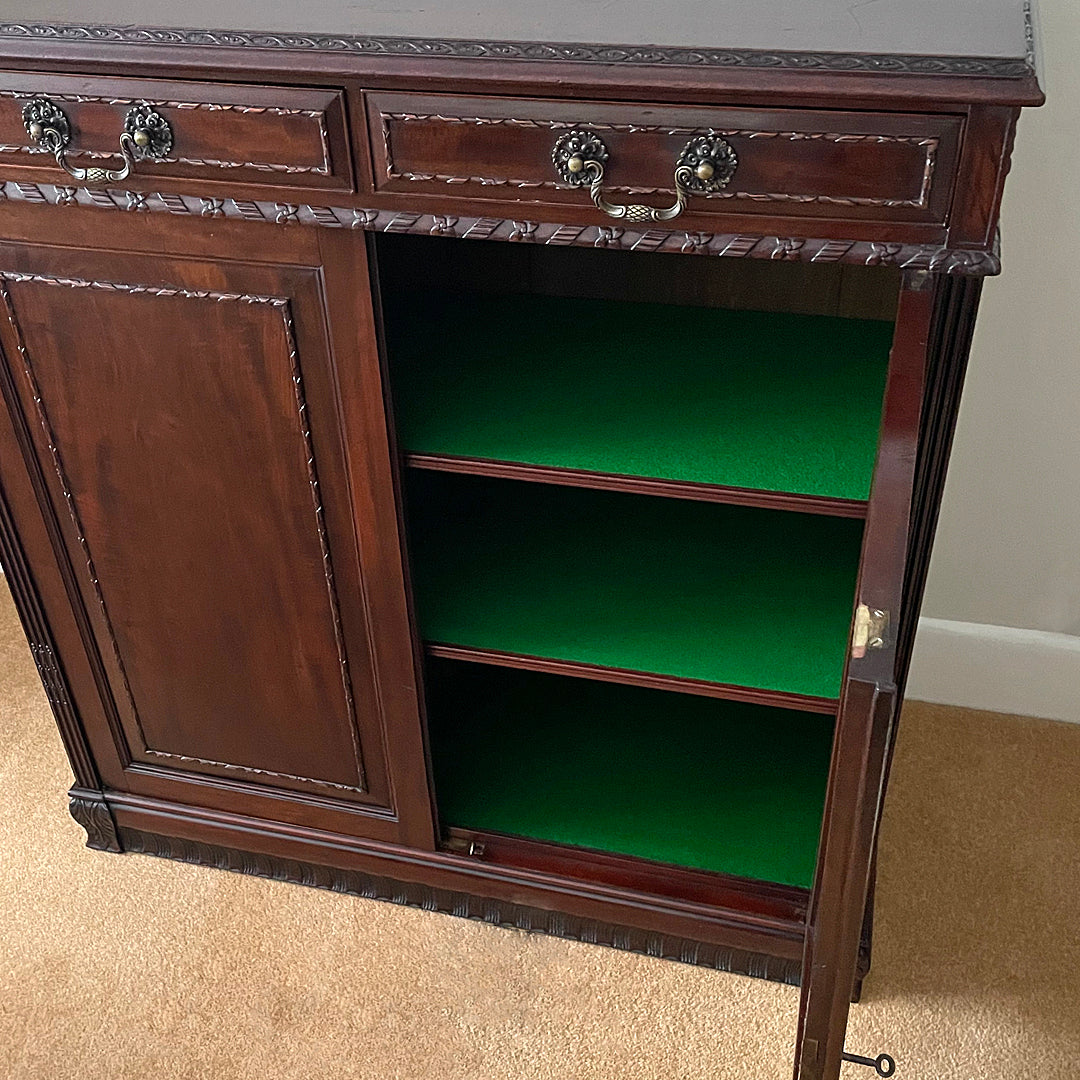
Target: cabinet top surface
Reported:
[(997, 29)]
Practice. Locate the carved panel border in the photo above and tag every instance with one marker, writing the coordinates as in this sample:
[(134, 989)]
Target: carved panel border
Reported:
[(929, 145), (934, 258), (575, 52), (481, 909), (317, 115), (283, 307)]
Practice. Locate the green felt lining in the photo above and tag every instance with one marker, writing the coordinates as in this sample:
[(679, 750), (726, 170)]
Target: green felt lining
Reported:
[(709, 784), (751, 399), (757, 598)]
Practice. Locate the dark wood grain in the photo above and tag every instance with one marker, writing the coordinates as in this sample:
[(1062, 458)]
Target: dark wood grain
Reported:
[(762, 898), (650, 680), (200, 510), (799, 163), (468, 905), (43, 649), (641, 485), (221, 134), (867, 706), (207, 518), (686, 71), (171, 469), (762, 923)]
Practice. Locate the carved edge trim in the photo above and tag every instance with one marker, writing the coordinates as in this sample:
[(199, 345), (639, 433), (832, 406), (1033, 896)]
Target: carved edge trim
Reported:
[(1030, 36), (318, 115), (43, 649), (324, 544), (283, 307), (464, 905), (929, 145), (576, 52), (933, 258), (92, 812), (61, 475)]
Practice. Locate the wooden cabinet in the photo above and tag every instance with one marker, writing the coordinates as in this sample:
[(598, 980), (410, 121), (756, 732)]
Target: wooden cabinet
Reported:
[(272, 136), (213, 499), (566, 578), (883, 166)]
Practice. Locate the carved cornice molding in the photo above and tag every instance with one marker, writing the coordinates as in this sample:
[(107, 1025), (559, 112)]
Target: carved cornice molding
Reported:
[(450, 902), (934, 258), (576, 52)]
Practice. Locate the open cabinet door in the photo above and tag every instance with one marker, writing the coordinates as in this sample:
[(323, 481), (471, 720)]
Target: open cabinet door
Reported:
[(926, 364)]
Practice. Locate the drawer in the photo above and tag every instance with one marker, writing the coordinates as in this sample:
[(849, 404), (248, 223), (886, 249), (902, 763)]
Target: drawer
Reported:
[(281, 136), (787, 162)]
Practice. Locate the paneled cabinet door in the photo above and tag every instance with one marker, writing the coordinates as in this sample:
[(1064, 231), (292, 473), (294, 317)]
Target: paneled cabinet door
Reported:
[(205, 441)]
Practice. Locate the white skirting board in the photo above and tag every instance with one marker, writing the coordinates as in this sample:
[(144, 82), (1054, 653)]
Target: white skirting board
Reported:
[(997, 668)]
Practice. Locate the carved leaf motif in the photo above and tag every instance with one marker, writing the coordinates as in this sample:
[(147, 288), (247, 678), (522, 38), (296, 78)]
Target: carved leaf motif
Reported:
[(1002, 68), (939, 260)]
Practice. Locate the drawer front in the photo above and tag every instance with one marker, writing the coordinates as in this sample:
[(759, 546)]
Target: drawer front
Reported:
[(282, 136), (829, 164)]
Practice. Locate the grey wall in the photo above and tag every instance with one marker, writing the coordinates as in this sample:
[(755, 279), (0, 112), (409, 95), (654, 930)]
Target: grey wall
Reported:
[(1008, 546)]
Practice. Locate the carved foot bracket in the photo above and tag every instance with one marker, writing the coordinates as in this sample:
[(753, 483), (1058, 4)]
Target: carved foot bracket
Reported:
[(92, 812)]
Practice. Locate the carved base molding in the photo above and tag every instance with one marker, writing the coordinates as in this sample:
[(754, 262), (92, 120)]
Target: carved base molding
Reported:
[(480, 909), (933, 258), (92, 812)]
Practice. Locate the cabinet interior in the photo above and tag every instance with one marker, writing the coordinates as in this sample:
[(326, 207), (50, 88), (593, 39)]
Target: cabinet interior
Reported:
[(635, 492), (713, 785)]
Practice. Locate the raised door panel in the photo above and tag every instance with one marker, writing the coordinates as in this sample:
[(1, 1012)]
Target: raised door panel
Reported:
[(184, 418)]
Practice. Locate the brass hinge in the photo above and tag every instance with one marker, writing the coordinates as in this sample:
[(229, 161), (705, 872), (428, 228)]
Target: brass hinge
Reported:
[(869, 632)]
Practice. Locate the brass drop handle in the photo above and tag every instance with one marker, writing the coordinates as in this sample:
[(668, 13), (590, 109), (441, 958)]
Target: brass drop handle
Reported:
[(146, 136), (706, 165)]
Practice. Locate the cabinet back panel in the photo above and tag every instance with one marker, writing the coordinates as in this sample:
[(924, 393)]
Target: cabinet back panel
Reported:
[(854, 292), (715, 785), (773, 401), (686, 589), (184, 448)]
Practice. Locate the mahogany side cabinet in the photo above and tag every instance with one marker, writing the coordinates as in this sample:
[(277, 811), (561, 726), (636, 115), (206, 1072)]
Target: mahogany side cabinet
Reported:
[(486, 457)]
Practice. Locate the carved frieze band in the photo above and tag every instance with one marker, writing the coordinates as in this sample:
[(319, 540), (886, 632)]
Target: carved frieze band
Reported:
[(283, 307), (496, 912), (928, 145), (247, 110), (934, 258), (577, 52)]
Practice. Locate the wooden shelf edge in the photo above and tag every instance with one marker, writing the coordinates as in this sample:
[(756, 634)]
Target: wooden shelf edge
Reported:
[(778, 699), (641, 485), (762, 899)]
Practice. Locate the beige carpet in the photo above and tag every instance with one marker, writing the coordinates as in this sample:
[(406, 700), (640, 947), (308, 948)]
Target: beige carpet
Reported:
[(116, 967)]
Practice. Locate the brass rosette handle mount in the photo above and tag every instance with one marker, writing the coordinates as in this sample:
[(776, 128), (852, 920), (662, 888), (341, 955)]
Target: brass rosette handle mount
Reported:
[(147, 136), (705, 166)]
